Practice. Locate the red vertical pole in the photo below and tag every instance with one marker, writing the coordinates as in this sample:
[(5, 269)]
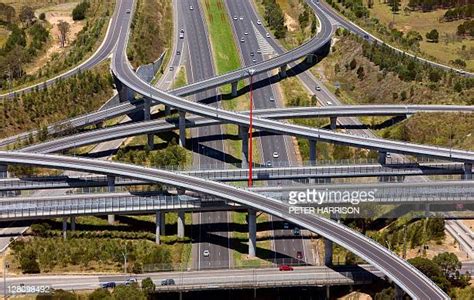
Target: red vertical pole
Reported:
[(250, 134)]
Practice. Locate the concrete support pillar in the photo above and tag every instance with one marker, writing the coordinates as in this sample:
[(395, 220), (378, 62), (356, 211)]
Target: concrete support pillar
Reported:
[(111, 189), (167, 110), (327, 252), (146, 109), (163, 223), (399, 293), (157, 227), (282, 72), (124, 92), (73, 223), (382, 157), (182, 128), (333, 125), (244, 135), (180, 224), (64, 228), (467, 171), (3, 171), (312, 152), (310, 58), (234, 88), (252, 222)]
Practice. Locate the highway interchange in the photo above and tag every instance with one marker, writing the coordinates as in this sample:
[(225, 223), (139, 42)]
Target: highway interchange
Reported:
[(201, 75)]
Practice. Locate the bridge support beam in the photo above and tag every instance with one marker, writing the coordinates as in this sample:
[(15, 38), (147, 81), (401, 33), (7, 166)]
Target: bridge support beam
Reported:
[(180, 225), (333, 124), (252, 222), (234, 88), (111, 189), (3, 171), (312, 152), (163, 223), (244, 135), (328, 252), (167, 110), (310, 59), (64, 228), (382, 157), (147, 117), (467, 171), (282, 72), (73, 223), (182, 128)]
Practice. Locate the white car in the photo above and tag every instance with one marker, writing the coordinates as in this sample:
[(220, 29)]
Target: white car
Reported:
[(241, 18), (328, 102), (269, 164), (275, 154), (191, 7), (318, 88), (259, 23), (246, 33), (205, 253), (259, 51), (242, 40), (235, 18), (267, 35), (272, 99), (254, 60)]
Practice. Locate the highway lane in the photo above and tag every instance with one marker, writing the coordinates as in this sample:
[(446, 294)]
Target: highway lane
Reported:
[(406, 276), (286, 245), (102, 53), (206, 152)]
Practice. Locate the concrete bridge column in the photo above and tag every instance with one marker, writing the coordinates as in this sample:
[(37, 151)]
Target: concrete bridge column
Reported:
[(382, 157), (282, 72), (333, 121), (312, 152), (467, 171), (182, 128), (124, 92), (310, 58), (180, 224), (73, 223), (252, 222), (328, 252), (234, 88), (163, 222), (167, 110), (111, 189), (3, 171), (64, 228), (157, 227), (244, 135)]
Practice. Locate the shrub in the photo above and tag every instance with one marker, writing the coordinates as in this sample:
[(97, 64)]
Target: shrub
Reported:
[(79, 12)]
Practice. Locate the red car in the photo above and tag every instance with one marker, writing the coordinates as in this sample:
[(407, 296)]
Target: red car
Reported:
[(286, 268)]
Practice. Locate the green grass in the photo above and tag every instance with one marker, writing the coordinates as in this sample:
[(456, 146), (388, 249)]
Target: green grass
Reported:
[(226, 55), (180, 78), (424, 22)]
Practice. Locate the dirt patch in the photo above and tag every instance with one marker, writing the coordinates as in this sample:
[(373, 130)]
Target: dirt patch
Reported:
[(54, 14), (290, 23), (357, 296), (469, 224), (449, 244)]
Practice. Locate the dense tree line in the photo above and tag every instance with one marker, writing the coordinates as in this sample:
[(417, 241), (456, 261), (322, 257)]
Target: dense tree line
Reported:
[(275, 18), (68, 98), (429, 5), (466, 28), (460, 12)]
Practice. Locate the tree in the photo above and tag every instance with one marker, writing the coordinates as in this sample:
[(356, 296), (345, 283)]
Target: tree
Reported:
[(433, 36), (395, 6), (360, 73), (79, 12), (126, 292), (100, 294), (26, 15), (353, 64), (148, 286), (449, 264), (42, 16), (63, 28), (28, 263)]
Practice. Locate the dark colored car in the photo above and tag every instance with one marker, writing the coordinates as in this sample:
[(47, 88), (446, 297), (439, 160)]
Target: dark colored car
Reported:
[(285, 268), (168, 282), (299, 255), (107, 285)]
